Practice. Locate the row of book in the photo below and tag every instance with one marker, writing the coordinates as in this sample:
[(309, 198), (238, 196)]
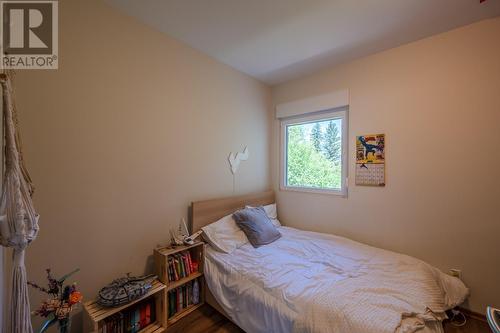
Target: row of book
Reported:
[(131, 320), (182, 297), (180, 265)]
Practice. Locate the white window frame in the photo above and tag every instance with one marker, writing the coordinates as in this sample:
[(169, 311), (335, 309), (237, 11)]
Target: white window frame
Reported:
[(338, 113)]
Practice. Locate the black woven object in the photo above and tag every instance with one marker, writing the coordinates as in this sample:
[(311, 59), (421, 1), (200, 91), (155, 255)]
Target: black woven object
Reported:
[(125, 290)]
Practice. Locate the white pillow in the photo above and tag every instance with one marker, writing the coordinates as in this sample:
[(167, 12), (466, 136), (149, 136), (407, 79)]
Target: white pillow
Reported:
[(224, 235), (272, 213), (455, 290)]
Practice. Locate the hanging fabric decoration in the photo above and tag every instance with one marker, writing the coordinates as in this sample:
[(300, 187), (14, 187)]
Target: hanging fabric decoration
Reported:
[(18, 218), (234, 163)]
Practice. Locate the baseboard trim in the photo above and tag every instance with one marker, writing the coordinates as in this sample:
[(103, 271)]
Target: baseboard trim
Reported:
[(473, 314)]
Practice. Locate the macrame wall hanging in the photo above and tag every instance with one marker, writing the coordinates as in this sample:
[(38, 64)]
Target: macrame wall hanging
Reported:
[(18, 218)]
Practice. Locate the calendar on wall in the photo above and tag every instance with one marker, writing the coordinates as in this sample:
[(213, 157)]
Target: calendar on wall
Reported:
[(370, 160)]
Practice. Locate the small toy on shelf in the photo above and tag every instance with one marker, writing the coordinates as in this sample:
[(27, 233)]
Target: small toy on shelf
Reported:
[(125, 290)]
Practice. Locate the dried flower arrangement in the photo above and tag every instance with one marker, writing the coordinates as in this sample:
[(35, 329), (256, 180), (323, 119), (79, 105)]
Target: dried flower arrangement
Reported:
[(63, 298)]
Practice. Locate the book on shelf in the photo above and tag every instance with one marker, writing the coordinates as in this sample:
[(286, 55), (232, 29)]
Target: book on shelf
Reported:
[(180, 265), (182, 297), (130, 320)]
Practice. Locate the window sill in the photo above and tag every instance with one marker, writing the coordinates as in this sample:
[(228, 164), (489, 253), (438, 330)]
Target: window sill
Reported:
[(338, 193)]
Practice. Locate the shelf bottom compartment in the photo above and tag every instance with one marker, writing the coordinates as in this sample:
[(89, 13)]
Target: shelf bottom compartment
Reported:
[(153, 328), (146, 313), (179, 315), (181, 301)]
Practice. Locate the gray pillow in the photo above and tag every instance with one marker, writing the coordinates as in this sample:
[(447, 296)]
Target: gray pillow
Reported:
[(256, 225)]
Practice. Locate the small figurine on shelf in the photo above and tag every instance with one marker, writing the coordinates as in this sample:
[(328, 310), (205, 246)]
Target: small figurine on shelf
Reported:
[(189, 240), (177, 237), (196, 292), (125, 290), (58, 307), (181, 237)]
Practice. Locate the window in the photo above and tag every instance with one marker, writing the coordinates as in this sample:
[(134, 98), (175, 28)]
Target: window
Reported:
[(313, 152)]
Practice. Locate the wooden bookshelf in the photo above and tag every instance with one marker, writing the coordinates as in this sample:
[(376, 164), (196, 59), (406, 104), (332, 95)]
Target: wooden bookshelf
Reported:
[(161, 256), (96, 314)]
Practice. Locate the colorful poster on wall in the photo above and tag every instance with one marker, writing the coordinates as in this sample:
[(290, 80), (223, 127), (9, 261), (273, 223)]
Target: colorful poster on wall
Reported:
[(370, 160)]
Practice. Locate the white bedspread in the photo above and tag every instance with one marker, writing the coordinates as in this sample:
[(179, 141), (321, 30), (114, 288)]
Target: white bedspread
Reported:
[(313, 282)]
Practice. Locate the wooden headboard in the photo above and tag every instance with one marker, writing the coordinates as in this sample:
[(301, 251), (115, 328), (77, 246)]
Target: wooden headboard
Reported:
[(208, 211)]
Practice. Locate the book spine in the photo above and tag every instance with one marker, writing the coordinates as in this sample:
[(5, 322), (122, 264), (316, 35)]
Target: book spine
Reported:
[(143, 317), (120, 328), (169, 304), (137, 320), (185, 297), (148, 314), (180, 299), (181, 260), (132, 327), (169, 270), (169, 299), (190, 293), (176, 269), (179, 266), (190, 264)]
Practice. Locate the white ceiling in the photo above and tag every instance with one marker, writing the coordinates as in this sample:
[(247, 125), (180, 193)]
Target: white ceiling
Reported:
[(279, 40)]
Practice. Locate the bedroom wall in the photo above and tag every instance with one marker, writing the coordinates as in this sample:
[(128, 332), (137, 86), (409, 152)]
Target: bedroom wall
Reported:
[(438, 101), (130, 129)]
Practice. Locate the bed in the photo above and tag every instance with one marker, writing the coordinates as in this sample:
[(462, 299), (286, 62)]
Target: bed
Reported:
[(313, 282)]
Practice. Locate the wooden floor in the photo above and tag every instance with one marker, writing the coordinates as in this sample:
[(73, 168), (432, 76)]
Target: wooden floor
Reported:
[(204, 320), (472, 326), (208, 320)]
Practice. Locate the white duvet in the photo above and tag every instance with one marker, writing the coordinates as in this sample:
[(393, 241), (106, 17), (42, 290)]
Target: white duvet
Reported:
[(313, 282)]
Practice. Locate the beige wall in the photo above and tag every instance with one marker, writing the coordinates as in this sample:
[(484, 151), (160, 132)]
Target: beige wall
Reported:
[(132, 127), (438, 101)]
